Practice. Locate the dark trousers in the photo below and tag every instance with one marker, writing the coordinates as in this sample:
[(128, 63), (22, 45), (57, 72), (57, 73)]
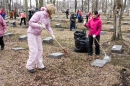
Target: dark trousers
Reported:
[(23, 19), (86, 19), (67, 16), (2, 42), (72, 26), (90, 47)]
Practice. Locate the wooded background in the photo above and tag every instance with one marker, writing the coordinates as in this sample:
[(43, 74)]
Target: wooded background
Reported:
[(110, 8)]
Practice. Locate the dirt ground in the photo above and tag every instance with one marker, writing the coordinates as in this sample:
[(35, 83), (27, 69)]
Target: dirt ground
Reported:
[(71, 70)]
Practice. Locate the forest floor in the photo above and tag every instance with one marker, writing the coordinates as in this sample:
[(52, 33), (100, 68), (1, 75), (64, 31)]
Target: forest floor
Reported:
[(70, 70)]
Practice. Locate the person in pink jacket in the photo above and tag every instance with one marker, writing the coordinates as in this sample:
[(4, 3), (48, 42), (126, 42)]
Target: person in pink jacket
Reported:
[(3, 28), (95, 26), (39, 21)]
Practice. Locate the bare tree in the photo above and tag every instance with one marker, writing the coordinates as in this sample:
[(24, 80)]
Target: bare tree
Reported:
[(30, 3), (94, 5), (54, 2), (26, 9), (82, 5), (75, 5), (7, 7), (36, 3), (40, 3), (88, 5), (118, 10), (51, 1), (9, 4), (64, 4)]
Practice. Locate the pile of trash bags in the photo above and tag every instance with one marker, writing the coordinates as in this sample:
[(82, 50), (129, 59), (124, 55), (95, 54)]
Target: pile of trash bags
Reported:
[(81, 41)]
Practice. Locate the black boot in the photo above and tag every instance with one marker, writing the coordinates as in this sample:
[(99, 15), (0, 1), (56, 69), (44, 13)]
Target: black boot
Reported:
[(31, 71), (2, 47)]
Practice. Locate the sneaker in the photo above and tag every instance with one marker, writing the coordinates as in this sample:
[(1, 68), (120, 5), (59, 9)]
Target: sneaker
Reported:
[(97, 57), (31, 71), (90, 58), (2, 48), (42, 68)]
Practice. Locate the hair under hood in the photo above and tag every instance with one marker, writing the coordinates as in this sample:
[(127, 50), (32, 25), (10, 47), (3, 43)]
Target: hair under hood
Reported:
[(50, 9)]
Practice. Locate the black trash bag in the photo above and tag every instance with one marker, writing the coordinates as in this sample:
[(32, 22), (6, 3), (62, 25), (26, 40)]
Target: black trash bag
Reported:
[(79, 34), (81, 41)]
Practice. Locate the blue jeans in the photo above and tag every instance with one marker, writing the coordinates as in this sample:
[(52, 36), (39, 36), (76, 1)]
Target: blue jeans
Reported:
[(72, 26)]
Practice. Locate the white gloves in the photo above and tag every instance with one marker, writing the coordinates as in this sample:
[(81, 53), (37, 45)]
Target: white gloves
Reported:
[(53, 37), (94, 36), (84, 22), (5, 31), (42, 26)]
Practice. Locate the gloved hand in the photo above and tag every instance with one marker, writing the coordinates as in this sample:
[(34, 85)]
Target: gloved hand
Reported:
[(84, 22), (53, 37), (94, 36), (5, 31), (42, 26)]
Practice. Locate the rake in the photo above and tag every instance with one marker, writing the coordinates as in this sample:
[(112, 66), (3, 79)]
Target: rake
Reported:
[(57, 42), (106, 57)]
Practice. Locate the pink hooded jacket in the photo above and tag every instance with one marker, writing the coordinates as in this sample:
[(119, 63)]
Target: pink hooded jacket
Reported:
[(3, 26), (40, 17), (95, 26)]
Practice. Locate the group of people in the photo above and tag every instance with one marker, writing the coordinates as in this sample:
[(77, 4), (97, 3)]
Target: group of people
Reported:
[(94, 24), (41, 20), (13, 13), (73, 17)]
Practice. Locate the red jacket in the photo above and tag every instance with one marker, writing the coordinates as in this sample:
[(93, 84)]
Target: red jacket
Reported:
[(80, 12)]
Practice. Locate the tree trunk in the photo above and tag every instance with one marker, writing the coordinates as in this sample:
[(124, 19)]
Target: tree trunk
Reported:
[(57, 5), (75, 5), (26, 9), (64, 4), (82, 5), (102, 6), (50, 1), (9, 4), (30, 3), (92, 6), (85, 6), (40, 4), (36, 3), (117, 13), (54, 2), (111, 9), (88, 5), (96, 5), (7, 7), (12, 4)]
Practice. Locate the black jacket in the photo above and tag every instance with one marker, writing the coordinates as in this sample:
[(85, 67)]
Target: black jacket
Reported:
[(73, 19)]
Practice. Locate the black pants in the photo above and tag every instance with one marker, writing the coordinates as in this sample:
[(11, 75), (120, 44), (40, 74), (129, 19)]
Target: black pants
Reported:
[(72, 25), (23, 19), (86, 19), (67, 16), (2, 42), (90, 47)]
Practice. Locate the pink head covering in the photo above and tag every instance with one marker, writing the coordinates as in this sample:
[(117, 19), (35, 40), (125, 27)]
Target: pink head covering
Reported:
[(43, 9)]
